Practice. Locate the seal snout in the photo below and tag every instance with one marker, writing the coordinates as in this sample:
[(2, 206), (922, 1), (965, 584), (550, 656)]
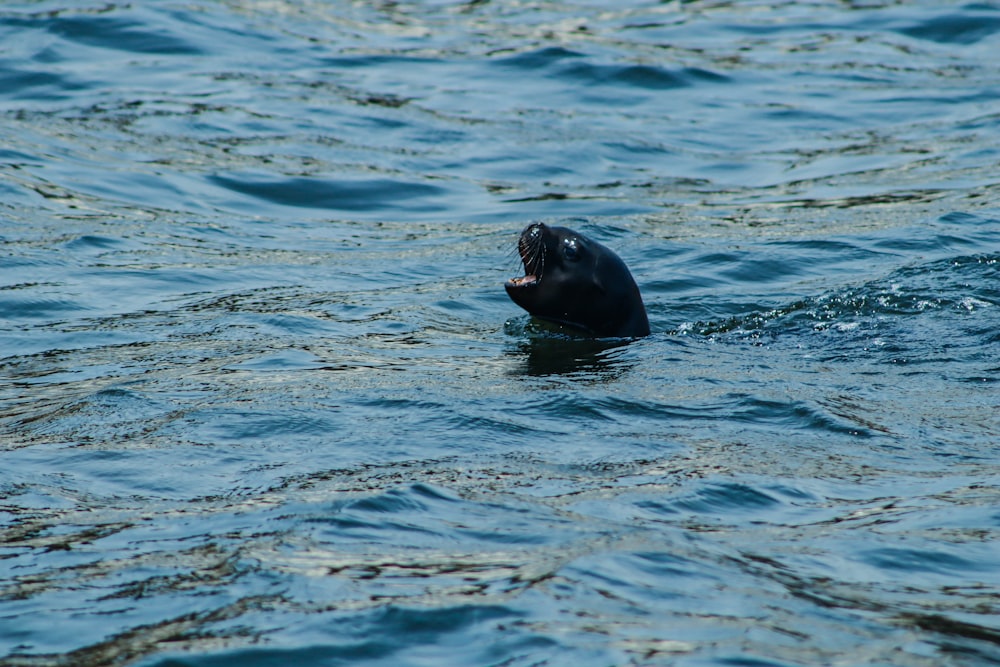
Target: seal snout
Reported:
[(531, 248)]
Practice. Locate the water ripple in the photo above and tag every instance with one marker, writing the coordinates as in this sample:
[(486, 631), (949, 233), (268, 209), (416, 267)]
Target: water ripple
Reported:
[(375, 194), (265, 401)]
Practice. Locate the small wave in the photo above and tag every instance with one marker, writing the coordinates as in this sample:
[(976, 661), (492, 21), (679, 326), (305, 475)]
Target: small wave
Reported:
[(968, 27), (532, 60), (379, 194), (390, 635), (262, 426), (33, 308), (285, 360), (715, 500), (107, 32), (927, 561), (575, 68), (640, 76), (23, 84)]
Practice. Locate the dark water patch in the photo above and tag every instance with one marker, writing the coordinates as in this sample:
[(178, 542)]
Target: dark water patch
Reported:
[(38, 307), (936, 244), (632, 582), (92, 242), (805, 117), (716, 500), (426, 517), (286, 360), (631, 410), (393, 501), (795, 414), (571, 65), (920, 561), (955, 628), (376, 59), (640, 76), (261, 426), (384, 634), (554, 350), (122, 34), (756, 269), (900, 197), (27, 84), (381, 194), (638, 149), (968, 27), (532, 60)]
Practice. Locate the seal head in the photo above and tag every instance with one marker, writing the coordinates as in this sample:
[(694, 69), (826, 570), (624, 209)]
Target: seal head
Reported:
[(573, 280)]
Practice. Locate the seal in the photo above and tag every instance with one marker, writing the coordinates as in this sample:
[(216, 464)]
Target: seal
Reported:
[(573, 280)]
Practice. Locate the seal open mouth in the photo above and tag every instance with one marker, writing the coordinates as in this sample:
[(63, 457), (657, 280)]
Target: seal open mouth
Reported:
[(531, 248)]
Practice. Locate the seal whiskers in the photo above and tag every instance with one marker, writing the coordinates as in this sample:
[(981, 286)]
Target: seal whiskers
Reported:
[(532, 250)]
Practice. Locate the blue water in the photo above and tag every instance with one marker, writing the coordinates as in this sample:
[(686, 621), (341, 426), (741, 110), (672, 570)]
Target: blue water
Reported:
[(264, 400)]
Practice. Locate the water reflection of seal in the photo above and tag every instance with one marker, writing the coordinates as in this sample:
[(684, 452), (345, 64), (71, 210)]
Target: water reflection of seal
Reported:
[(574, 280)]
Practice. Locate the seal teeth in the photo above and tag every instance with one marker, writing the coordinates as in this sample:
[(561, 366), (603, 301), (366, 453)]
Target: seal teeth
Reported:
[(523, 281)]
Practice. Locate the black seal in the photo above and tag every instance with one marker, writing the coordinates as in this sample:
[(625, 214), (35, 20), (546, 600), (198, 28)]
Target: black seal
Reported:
[(573, 280)]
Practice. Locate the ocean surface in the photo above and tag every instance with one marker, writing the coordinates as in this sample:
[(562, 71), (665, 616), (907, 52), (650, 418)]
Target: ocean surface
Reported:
[(264, 401)]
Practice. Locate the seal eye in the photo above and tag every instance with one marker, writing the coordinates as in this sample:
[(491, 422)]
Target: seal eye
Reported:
[(571, 250)]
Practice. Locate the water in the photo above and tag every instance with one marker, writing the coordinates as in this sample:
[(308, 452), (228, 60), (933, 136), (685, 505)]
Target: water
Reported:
[(265, 402)]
